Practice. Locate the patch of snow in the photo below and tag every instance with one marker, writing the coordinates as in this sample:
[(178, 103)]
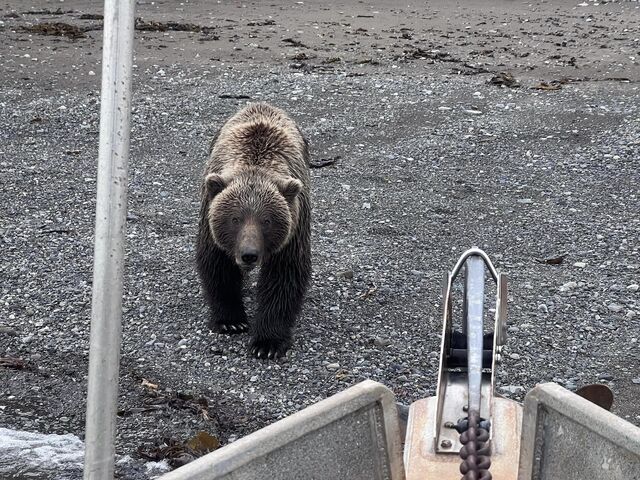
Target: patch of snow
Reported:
[(32, 454)]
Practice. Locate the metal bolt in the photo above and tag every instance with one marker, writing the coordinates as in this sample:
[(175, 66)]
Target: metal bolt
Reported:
[(448, 424), (446, 444), (465, 408)]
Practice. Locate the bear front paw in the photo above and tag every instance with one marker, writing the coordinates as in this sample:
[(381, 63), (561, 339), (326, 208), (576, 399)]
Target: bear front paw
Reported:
[(269, 348)]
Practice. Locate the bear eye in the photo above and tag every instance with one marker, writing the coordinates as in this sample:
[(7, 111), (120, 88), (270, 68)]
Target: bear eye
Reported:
[(235, 220)]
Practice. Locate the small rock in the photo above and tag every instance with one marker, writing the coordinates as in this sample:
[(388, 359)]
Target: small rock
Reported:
[(568, 286), (381, 342), (615, 308), (605, 376), (403, 378), (636, 380), (472, 112), (525, 201), (633, 287), (580, 264), (8, 331), (333, 366), (543, 308), (366, 205), (254, 378), (345, 275), (513, 389), (514, 356)]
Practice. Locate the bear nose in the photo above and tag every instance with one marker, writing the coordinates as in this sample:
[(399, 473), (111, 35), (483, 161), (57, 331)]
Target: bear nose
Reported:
[(249, 257)]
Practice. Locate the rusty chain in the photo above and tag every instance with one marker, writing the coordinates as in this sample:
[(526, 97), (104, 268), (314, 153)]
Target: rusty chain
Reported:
[(475, 452)]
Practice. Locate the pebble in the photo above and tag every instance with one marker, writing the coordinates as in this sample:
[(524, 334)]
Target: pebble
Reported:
[(8, 331), (346, 274), (513, 389), (381, 341), (514, 356), (615, 308), (636, 380), (633, 287), (580, 264), (568, 286), (333, 366), (543, 308), (605, 376)]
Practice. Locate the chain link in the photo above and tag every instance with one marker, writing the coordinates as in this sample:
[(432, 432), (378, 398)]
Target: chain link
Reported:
[(475, 452)]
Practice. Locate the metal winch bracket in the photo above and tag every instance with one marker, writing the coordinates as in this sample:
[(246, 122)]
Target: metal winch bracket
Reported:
[(468, 358), (465, 402)]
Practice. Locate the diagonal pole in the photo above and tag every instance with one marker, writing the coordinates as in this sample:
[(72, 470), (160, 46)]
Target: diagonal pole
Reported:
[(111, 212)]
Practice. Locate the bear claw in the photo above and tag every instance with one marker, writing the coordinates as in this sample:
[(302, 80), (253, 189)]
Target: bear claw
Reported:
[(269, 349), (233, 328)]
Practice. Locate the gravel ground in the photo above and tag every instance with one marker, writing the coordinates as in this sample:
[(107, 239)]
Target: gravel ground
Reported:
[(430, 159)]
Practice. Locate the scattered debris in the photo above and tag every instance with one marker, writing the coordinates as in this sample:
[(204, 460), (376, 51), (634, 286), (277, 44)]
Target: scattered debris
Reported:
[(234, 97), (469, 69), (504, 79), (58, 29), (91, 16), (151, 26), (553, 85), (324, 162), (554, 260), (294, 43), (417, 53), (372, 289), (263, 23), (177, 452), (299, 56), (46, 11), (13, 363), (148, 384)]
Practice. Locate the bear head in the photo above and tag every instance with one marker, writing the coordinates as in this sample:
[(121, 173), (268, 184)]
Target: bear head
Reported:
[(251, 216)]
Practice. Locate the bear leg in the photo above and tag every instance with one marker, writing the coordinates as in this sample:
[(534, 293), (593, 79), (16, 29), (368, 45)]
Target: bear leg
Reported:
[(281, 287), (222, 284)]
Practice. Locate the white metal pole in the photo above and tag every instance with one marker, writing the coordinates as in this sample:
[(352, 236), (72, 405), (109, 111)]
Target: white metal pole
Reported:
[(111, 212)]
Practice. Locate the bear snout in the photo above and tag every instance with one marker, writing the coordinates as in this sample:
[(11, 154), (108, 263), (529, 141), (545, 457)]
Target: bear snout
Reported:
[(249, 251)]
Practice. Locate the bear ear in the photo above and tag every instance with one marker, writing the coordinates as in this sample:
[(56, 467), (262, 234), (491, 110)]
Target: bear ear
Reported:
[(290, 188), (213, 185)]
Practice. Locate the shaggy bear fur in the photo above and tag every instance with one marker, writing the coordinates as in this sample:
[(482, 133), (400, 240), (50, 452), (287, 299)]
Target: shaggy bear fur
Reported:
[(256, 212)]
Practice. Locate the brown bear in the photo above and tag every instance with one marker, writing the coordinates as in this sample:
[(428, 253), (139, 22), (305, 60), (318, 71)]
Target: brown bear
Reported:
[(256, 212)]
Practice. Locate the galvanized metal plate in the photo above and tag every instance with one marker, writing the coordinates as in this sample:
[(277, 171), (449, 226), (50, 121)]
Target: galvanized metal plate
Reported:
[(567, 437), (423, 463)]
